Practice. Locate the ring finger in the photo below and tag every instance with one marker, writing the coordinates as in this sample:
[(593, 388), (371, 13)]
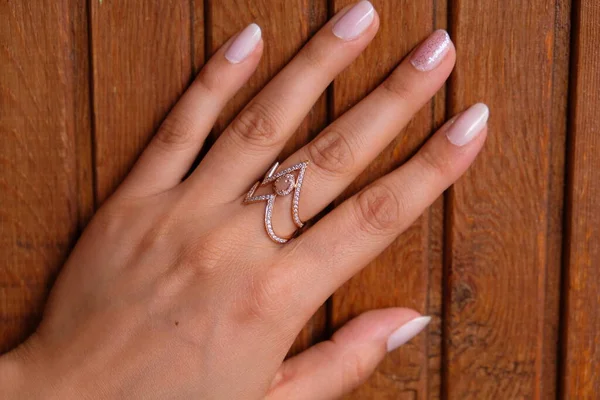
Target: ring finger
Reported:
[(345, 148)]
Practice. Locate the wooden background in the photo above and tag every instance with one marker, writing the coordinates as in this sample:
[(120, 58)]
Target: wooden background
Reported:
[(507, 262)]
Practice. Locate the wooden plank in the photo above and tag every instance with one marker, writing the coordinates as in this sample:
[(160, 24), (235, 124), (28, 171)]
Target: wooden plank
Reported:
[(581, 377), (435, 299), (286, 26), (45, 153), (502, 256), (548, 364), (142, 61), (403, 274)]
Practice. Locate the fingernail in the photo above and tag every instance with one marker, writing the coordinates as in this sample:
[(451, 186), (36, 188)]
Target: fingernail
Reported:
[(468, 125), (355, 21), (406, 332), (244, 44), (432, 51)]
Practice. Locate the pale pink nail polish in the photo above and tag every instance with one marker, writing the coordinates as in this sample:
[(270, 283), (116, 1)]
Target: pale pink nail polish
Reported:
[(468, 125), (244, 44), (406, 332), (432, 51), (355, 21)]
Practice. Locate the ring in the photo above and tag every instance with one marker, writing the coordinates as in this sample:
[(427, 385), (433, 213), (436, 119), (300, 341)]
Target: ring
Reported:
[(283, 183)]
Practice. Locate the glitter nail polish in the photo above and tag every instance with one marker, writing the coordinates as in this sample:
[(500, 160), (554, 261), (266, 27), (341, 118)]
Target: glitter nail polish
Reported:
[(432, 51)]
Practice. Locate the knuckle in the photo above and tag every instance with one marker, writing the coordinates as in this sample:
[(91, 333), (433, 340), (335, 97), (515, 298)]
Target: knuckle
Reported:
[(175, 132), (204, 257), (260, 296), (258, 125), (157, 237), (355, 370), (263, 298), (378, 209), (110, 220), (315, 54), (397, 87), (331, 153), (207, 252), (209, 80), (434, 162)]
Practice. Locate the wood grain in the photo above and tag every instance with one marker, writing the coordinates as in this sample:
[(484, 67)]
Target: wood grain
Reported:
[(435, 297), (501, 269), (549, 363), (581, 377), (286, 26), (142, 61), (45, 154), (403, 275), (77, 107)]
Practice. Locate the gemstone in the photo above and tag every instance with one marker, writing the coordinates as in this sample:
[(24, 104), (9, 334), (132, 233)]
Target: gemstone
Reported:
[(284, 185)]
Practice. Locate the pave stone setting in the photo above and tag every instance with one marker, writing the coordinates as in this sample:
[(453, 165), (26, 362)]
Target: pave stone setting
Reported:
[(283, 183)]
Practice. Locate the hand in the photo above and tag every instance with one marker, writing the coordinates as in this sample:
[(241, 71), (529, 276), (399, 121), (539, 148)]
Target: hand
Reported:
[(175, 290)]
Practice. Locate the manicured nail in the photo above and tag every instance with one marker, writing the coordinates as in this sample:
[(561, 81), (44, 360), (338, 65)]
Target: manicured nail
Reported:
[(432, 51), (244, 44), (468, 125), (355, 21), (406, 332)]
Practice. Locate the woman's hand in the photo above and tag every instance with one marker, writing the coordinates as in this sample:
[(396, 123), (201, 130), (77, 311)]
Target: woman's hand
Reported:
[(175, 290)]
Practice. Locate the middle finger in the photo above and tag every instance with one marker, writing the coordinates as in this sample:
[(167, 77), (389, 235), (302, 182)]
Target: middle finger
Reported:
[(256, 136), (346, 147)]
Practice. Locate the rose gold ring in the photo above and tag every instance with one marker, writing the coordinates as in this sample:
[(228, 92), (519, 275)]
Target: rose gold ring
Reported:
[(283, 183)]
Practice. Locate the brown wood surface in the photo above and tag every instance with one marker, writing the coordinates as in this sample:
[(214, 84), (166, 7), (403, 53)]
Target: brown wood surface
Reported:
[(45, 153), (501, 269), (581, 341), (141, 62), (514, 299), (402, 275)]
